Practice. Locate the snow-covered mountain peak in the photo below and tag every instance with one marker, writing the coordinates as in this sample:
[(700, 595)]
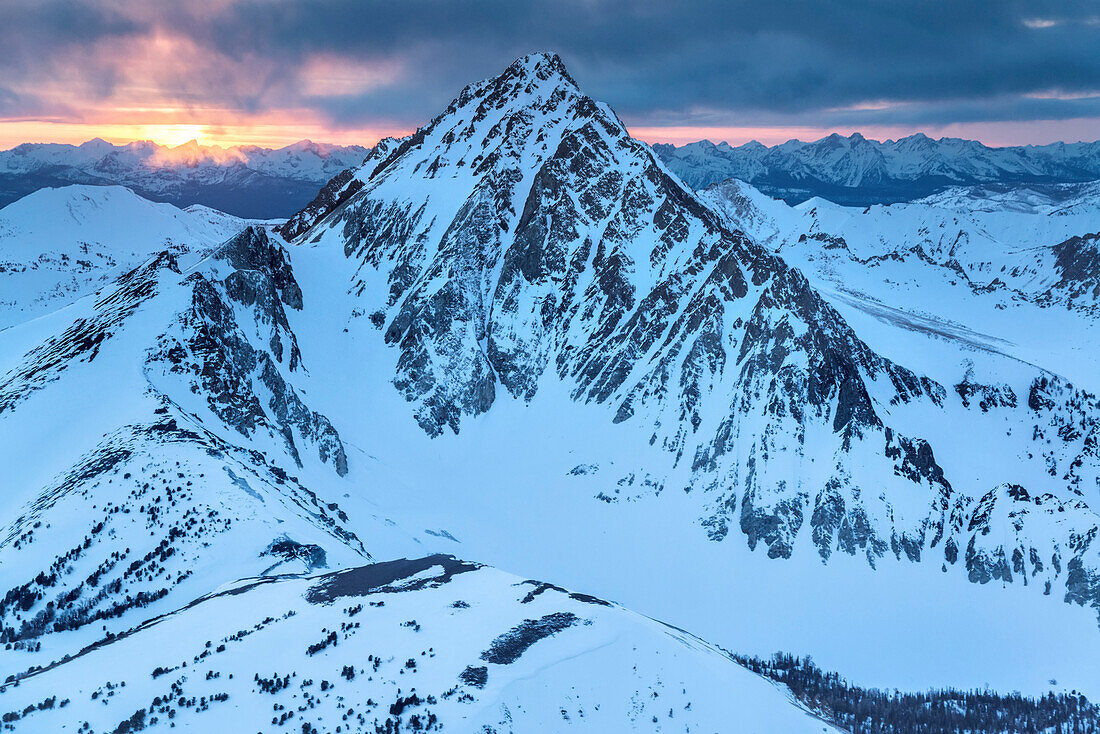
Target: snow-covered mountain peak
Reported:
[(523, 242), (544, 65), (322, 150), (534, 81), (494, 135), (533, 86), (525, 234), (55, 208)]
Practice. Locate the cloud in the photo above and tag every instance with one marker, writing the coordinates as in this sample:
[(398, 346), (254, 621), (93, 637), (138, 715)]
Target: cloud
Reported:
[(358, 63)]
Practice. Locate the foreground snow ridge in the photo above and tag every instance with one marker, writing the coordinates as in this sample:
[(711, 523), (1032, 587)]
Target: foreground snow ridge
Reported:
[(410, 645)]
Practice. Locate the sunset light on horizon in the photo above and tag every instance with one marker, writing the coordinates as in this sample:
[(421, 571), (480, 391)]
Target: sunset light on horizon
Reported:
[(271, 134), (215, 72), (265, 135)]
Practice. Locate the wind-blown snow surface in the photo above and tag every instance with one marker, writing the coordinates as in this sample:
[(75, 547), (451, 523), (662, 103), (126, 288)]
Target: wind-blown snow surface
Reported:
[(858, 171), (59, 244), (246, 180), (516, 338), (430, 644)]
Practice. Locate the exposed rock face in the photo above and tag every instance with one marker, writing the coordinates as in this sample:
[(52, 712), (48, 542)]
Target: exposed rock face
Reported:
[(591, 196), (1077, 261), (336, 191), (523, 236), (232, 364), (253, 250), (332, 195)]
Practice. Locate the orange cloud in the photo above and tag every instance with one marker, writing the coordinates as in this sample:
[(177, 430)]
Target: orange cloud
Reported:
[(166, 88), (332, 76)]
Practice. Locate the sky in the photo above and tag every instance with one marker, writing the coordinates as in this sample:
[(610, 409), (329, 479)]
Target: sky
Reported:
[(270, 72)]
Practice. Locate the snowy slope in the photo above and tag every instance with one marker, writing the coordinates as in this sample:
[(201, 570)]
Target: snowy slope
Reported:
[(248, 181), (185, 460), (858, 171), (59, 244), (424, 645), (1010, 270), (183, 456)]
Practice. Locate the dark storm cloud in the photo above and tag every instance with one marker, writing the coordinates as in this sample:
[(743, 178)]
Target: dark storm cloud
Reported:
[(33, 32), (734, 62)]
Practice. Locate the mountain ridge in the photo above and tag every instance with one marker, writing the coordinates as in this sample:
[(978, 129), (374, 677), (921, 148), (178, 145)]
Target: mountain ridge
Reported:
[(57, 245), (858, 171)]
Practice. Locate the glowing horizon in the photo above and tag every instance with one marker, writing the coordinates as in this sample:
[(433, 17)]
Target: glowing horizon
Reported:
[(271, 132), (266, 135)]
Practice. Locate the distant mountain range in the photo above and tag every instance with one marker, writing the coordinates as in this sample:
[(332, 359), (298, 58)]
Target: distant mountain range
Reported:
[(246, 181), (263, 183), (856, 171)]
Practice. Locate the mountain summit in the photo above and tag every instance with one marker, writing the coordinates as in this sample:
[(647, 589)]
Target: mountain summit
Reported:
[(523, 239)]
